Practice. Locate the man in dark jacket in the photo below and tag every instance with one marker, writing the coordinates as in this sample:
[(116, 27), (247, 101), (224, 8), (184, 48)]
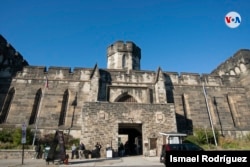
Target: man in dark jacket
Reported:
[(81, 150)]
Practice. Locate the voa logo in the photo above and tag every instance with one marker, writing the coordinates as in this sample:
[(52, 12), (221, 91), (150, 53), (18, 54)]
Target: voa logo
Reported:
[(233, 19)]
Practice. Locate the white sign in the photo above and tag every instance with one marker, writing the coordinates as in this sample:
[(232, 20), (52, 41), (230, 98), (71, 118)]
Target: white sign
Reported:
[(23, 141), (109, 153)]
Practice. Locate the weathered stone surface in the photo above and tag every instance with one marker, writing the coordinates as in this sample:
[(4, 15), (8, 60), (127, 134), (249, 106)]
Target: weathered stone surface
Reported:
[(93, 104)]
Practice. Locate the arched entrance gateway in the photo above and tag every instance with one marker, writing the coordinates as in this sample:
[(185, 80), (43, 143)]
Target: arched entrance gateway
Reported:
[(137, 124), (130, 136), (130, 133)]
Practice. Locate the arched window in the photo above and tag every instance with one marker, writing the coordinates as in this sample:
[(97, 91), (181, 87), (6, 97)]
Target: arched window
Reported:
[(64, 107), (124, 62), (35, 108), (7, 104), (127, 99)]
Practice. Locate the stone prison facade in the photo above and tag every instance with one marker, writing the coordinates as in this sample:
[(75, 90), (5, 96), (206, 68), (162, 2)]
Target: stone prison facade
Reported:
[(104, 105)]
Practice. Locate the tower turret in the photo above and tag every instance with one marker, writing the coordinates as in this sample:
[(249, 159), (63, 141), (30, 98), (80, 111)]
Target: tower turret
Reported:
[(123, 55)]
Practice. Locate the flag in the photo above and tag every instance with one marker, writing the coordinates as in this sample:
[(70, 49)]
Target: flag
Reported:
[(46, 83)]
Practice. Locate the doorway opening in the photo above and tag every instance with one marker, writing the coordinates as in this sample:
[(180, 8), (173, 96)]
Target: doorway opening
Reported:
[(130, 139)]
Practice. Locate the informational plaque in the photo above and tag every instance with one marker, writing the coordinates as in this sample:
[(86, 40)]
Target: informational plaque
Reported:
[(109, 153), (23, 140)]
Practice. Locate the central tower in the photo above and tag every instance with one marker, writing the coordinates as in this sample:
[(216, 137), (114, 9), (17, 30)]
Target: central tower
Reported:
[(123, 55)]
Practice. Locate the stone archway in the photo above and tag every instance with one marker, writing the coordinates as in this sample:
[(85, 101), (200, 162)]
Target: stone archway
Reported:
[(130, 134)]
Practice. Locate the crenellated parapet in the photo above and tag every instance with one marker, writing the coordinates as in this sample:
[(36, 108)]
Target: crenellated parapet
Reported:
[(124, 55), (235, 65), (121, 46), (174, 78), (11, 61), (55, 73)]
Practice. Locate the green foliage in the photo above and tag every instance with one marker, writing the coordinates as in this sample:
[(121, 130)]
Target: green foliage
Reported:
[(202, 137), (17, 136), (232, 143), (68, 140), (11, 138), (205, 136), (6, 135), (228, 143), (191, 139), (248, 137), (205, 139)]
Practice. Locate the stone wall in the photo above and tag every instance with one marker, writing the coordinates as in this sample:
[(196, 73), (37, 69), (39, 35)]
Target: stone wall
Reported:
[(228, 107), (17, 154), (11, 61), (123, 55), (85, 100), (147, 87), (101, 121), (238, 64)]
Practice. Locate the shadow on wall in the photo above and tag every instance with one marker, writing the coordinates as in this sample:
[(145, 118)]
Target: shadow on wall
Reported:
[(184, 125), (169, 88), (10, 63), (105, 80)]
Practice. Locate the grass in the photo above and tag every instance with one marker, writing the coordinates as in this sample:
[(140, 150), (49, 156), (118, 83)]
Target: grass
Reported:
[(228, 143), (205, 139)]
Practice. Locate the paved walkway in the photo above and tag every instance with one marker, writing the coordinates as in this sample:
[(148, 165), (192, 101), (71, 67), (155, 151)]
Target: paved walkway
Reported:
[(124, 161)]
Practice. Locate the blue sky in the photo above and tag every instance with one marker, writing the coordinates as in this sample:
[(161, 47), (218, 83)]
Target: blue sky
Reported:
[(176, 35)]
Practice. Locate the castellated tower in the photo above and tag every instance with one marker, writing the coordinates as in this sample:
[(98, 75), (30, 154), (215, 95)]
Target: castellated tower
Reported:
[(123, 55)]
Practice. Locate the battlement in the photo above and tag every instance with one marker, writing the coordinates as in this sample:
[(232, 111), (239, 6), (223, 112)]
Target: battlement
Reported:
[(238, 64), (2, 40), (11, 61), (121, 46), (174, 78), (55, 73)]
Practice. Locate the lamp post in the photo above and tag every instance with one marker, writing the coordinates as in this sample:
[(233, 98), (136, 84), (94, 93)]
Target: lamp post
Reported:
[(209, 114)]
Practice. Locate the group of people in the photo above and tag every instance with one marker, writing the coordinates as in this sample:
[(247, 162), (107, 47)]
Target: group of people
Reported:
[(80, 151), (129, 149), (76, 151), (41, 151)]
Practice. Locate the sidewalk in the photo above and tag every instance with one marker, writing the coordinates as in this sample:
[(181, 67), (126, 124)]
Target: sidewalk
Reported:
[(119, 161)]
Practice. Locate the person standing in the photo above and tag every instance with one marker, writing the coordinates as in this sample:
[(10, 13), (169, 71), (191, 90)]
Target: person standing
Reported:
[(37, 150), (81, 150), (121, 150), (46, 151), (73, 151), (98, 147)]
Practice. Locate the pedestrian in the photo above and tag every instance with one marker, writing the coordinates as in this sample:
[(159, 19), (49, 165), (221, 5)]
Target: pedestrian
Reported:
[(46, 151), (37, 150), (121, 150), (81, 150), (73, 151), (98, 147), (127, 152)]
